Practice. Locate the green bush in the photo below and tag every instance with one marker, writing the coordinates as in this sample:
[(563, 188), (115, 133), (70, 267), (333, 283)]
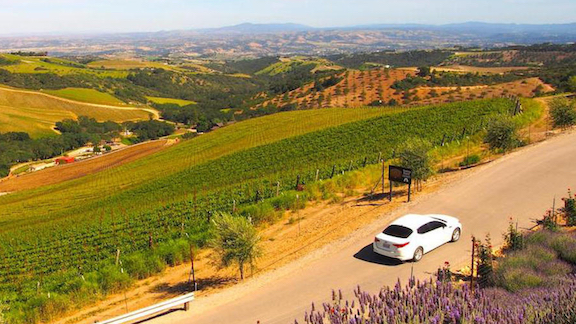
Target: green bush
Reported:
[(501, 134), (520, 278), (140, 265), (112, 278), (174, 252), (563, 112), (470, 160), (565, 246)]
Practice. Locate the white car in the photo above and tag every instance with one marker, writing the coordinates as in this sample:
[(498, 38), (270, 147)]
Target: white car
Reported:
[(410, 236)]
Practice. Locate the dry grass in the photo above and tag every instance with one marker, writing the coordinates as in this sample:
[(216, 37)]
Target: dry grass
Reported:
[(36, 113)]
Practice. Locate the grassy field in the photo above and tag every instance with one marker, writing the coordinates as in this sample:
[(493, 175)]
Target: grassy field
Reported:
[(286, 64), (179, 102), (35, 64), (36, 113), (87, 95), (129, 64)]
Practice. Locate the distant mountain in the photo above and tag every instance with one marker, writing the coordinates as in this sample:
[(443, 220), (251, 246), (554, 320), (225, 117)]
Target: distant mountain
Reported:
[(492, 28), (249, 28)]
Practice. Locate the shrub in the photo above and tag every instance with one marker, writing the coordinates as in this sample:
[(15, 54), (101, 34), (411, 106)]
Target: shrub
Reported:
[(513, 238), (174, 252), (565, 246), (485, 267), (111, 278), (519, 278), (470, 160), (415, 155), (563, 112), (235, 241), (501, 134), (570, 209)]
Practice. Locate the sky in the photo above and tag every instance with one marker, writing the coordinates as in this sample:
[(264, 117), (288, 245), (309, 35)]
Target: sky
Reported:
[(83, 16)]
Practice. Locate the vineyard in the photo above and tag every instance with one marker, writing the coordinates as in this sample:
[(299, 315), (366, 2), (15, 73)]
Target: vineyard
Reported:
[(50, 235)]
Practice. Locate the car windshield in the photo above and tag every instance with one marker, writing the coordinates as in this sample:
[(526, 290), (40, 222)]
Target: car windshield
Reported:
[(397, 231)]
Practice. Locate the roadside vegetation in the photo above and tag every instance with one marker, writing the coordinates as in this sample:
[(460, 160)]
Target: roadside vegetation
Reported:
[(532, 281)]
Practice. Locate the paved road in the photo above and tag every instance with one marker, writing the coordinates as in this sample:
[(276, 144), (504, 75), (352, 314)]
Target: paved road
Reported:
[(521, 185)]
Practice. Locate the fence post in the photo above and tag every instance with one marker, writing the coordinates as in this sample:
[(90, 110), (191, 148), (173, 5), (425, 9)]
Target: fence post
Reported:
[(297, 181), (317, 172), (117, 256), (277, 188), (472, 263), (333, 170), (382, 177)]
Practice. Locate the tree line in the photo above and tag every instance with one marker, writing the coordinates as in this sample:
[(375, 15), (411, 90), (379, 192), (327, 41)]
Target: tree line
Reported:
[(17, 147)]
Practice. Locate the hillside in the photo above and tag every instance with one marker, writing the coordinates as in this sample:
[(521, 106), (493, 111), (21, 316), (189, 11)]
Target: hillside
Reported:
[(355, 88), (36, 113), (178, 188)]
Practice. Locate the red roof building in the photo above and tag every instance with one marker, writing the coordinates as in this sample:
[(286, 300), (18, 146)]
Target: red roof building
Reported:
[(64, 160)]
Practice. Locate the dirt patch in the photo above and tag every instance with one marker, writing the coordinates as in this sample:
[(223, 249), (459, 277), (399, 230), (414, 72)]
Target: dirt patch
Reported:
[(79, 169), (361, 88), (475, 69)]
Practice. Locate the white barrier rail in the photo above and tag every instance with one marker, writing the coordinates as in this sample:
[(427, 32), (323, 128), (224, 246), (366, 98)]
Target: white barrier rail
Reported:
[(154, 309)]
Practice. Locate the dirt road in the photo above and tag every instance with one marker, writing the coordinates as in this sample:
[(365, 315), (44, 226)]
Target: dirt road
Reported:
[(521, 185)]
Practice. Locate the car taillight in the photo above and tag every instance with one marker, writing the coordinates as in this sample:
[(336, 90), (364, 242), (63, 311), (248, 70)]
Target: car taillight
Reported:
[(376, 239), (401, 245)]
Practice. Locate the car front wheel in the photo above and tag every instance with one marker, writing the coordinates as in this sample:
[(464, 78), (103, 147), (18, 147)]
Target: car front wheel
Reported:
[(455, 235), (418, 254)]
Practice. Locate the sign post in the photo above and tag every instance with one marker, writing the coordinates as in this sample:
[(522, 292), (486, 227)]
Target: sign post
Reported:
[(400, 174)]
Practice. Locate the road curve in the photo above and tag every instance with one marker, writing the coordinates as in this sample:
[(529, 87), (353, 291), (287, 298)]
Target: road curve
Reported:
[(521, 185)]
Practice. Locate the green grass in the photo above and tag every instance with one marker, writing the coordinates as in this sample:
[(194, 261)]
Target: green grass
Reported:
[(36, 113), (35, 64), (179, 102), (87, 95)]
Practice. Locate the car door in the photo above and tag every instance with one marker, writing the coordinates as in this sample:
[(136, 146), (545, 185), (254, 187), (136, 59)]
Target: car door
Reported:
[(424, 237), (431, 235), (437, 233)]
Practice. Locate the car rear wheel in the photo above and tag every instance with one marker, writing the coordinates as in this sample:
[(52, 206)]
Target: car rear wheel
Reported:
[(418, 254), (455, 235)]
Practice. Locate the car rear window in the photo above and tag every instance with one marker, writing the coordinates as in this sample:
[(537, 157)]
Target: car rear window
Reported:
[(397, 231)]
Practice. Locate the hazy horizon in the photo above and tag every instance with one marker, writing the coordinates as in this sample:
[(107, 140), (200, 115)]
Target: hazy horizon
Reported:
[(38, 17)]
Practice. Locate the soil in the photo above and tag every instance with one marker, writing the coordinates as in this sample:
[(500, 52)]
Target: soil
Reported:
[(79, 169)]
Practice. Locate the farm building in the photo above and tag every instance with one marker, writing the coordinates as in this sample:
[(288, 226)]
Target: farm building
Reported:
[(64, 160)]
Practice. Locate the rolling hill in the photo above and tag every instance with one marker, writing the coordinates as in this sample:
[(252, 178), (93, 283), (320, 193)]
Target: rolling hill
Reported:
[(36, 113), (176, 190)]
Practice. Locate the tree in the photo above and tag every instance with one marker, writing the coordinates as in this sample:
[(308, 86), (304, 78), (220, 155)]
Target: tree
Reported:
[(501, 134), (415, 155), (563, 112), (235, 241), (572, 83), (424, 71)]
